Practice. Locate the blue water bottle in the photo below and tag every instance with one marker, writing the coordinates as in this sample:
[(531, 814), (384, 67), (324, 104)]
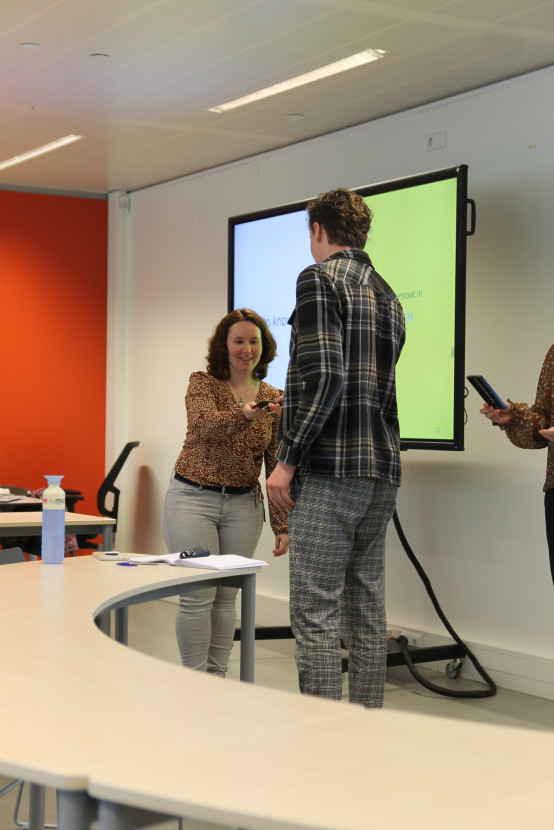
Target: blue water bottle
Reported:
[(53, 522)]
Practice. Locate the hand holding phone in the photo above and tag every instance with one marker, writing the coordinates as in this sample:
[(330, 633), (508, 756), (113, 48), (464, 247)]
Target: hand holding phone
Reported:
[(486, 391), (262, 409)]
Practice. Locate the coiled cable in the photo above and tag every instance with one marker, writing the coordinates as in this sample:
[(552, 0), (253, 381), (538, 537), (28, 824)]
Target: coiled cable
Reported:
[(403, 643)]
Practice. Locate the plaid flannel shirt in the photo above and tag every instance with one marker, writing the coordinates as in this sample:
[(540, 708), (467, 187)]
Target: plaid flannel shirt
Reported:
[(339, 414)]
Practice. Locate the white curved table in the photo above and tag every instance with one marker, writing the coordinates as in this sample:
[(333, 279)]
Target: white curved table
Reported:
[(51, 658), (114, 730)]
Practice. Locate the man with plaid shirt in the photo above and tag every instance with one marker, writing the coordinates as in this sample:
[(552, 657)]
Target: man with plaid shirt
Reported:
[(338, 453)]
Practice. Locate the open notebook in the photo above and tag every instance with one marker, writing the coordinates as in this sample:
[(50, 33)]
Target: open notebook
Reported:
[(211, 562)]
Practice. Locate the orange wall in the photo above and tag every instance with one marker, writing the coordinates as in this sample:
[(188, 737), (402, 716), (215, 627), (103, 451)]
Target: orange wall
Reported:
[(53, 288)]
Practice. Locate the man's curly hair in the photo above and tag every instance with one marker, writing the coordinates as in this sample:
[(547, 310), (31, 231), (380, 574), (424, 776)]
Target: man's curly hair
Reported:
[(344, 215), (218, 356)]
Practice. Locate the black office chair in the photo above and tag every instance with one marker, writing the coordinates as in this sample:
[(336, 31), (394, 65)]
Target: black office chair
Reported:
[(12, 556), (106, 506)]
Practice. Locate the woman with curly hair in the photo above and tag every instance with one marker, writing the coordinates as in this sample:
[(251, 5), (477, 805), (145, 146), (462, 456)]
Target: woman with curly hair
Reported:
[(532, 428), (214, 497)]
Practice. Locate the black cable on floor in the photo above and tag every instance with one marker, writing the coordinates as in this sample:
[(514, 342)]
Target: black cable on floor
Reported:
[(403, 643)]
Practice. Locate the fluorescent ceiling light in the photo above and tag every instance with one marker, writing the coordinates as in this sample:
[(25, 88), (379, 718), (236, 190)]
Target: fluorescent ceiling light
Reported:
[(359, 59), (46, 148)]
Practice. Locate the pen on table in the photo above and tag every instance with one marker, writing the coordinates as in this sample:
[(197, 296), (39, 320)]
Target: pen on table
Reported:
[(193, 553), (127, 564)]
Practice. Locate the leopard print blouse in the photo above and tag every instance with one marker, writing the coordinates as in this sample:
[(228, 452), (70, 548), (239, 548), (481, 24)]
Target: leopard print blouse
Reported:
[(523, 429), (223, 448)]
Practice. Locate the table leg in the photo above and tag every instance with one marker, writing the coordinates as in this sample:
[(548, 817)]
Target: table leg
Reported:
[(121, 628), (103, 623), (107, 537), (76, 810), (247, 627), (122, 625), (120, 817), (37, 803)]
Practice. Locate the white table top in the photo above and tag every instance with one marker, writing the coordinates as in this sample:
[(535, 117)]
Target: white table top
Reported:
[(12, 501), (314, 764), (33, 519), (80, 710), (63, 682)]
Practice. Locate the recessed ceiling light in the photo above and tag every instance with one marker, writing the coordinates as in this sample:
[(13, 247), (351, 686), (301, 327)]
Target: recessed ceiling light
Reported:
[(31, 45), (38, 151), (351, 62)]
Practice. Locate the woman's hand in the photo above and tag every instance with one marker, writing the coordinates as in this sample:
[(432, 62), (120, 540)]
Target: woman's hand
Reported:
[(253, 412), (281, 544), (497, 416), (547, 433)]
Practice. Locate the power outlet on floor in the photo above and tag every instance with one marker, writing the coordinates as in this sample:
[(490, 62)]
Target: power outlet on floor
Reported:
[(413, 639)]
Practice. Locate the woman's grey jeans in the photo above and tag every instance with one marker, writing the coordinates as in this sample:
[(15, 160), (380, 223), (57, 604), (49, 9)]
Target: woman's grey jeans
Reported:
[(206, 618)]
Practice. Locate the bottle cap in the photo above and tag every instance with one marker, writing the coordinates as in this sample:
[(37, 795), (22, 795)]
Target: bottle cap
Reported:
[(53, 479)]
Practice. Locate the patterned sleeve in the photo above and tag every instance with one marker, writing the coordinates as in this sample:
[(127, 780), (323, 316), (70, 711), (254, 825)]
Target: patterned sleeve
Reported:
[(204, 419), (278, 519), (523, 429)]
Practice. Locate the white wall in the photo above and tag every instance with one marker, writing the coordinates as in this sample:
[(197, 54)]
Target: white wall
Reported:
[(474, 519)]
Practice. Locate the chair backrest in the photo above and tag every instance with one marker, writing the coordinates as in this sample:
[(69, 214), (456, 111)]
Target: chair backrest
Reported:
[(71, 499), (107, 487), (10, 556)]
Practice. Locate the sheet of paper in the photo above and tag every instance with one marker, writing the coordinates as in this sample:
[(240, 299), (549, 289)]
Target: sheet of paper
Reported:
[(219, 563), (168, 558)]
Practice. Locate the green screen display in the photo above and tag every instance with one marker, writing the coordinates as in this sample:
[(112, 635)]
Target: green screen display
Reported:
[(413, 235), (417, 244)]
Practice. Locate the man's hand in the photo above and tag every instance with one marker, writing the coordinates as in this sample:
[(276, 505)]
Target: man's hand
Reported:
[(278, 486), (281, 544), (547, 433)]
